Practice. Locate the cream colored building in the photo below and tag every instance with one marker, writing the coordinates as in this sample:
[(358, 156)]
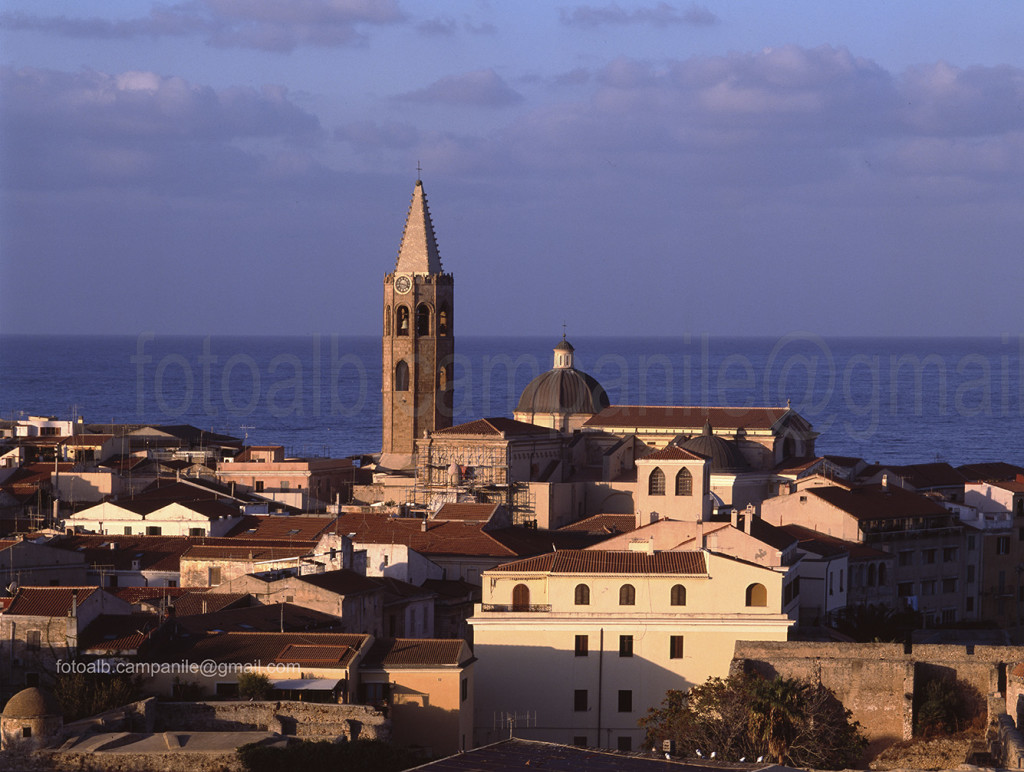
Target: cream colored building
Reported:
[(575, 646)]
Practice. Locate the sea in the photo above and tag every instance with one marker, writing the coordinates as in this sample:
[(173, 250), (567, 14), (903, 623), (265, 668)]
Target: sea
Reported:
[(886, 400)]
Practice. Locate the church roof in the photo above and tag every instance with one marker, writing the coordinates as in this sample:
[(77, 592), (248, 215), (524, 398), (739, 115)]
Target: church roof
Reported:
[(563, 390), (418, 252), (497, 426), (722, 454), (687, 419)]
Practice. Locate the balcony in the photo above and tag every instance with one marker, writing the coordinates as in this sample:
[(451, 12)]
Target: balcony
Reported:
[(515, 608)]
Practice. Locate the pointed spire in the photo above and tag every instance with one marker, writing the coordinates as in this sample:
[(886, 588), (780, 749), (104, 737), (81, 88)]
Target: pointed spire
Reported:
[(418, 253)]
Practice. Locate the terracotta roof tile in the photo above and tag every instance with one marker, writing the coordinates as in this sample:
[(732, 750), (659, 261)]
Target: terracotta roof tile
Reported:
[(603, 525), (118, 633), (48, 601), (685, 418), (611, 562), (259, 553), (496, 427), (285, 527), (873, 502), (414, 652), (672, 453), (342, 582), (480, 513), (198, 603), (264, 648)]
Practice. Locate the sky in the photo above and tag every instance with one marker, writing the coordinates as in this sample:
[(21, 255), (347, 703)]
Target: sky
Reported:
[(735, 168)]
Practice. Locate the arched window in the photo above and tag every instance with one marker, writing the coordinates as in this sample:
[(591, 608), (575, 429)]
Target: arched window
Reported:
[(582, 595), (387, 321), (684, 482), (882, 579), (520, 597), (442, 378), (656, 482), (871, 574), (442, 322), (402, 320), (678, 595), (627, 595), (423, 319), (402, 376), (757, 595)]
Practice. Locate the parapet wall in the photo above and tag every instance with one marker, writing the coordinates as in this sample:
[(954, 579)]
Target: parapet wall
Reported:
[(876, 681), (306, 720)]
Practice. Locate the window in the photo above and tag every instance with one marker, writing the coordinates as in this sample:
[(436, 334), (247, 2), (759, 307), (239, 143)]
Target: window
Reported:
[(970, 605), (970, 542), (579, 740), (402, 376), (520, 597), (387, 321), (33, 640), (949, 554), (627, 595), (423, 319), (582, 595), (757, 595), (624, 743), (684, 483), (831, 584), (284, 485), (1003, 545), (259, 486), (871, 574), (970, 573), (153, 530), (948, 616), (625, 645), (949, 584), (905, 589), (883, 580), (675, 647), (928, 556), (927, 586), (197, 532), (442, 322), (26, 731), (464, 693), (127, 530), (213, 576), (579, 700), (905, 558), (678, 595), (402, 321), (582, 645), (656, 482), (227, 690), (625, 701)]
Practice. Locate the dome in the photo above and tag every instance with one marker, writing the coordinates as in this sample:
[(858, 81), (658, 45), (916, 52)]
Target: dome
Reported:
[(563, 390), (722, 455), (32, 703)]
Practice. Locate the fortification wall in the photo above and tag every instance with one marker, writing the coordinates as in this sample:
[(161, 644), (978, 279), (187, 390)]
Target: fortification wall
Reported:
[(307, 720)]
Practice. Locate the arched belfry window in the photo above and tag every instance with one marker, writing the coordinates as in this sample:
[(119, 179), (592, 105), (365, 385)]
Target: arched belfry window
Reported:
[(520, 598), (684, 482), (387, 321), (757, 595), (402, 320), (442, 322), (582, 595), (678, 595), (627, 595), (402, 376), (656, 482), (423, 319)]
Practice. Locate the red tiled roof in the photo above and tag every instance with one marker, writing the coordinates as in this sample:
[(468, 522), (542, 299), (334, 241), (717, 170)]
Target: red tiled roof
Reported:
[(414, 652), (672, 453), (270, 619), (47, 601), (259, 553), (314, 654), (496, 427), (611, 562), (265, 648), (87, 440), (134, 595), (342, 582), (990, 470), (873, 502), (825, 545), (293, 527), (195, 603), (687, 417), (116, 633), (603, 525), (920, 476)]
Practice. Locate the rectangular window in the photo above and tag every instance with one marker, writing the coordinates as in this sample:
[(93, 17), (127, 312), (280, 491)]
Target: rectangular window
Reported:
[(970, 542), (949, 554), (213, 576), (970, 573), (127, 530), (929, 556), (970, 604), (625, 701), (948, 616), (582, 645), (465, 689), (675, 649), (1003, 545), (949, 585), (927, 586), (33, 640), (197, 532), (580, 740), (153, 530), (259, 486), (625, 744), (905, 558), (905, 589), (625, 645), (227, 689), (579, 700)]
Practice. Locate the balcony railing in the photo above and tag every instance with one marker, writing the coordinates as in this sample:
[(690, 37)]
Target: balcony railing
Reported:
[(515, 607)]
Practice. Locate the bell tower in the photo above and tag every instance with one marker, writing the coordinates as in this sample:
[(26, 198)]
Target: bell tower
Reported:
[(418, 342)]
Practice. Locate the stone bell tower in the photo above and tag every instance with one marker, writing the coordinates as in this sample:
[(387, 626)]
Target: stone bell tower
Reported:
[(418, 342)]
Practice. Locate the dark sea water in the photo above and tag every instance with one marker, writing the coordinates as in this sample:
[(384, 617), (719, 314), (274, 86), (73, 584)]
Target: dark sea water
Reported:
[(889, 400)]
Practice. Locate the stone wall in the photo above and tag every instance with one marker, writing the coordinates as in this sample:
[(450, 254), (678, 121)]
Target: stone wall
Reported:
[(306, 720), (876, 681)]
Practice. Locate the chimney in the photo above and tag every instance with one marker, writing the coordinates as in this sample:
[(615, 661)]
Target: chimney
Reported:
[(74, 603), (885, 482), (734, 517), (423, 525), (748, 519)]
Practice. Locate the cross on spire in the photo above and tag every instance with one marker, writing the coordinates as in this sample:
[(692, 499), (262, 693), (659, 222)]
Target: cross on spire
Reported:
[(418, 170)]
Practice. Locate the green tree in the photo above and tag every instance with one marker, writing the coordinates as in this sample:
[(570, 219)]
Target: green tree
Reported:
[(746, 716), (254, 686), (86, 694)]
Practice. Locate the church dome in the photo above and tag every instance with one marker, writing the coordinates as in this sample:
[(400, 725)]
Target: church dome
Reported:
[(722, 455), (32, 703), (563, 389)]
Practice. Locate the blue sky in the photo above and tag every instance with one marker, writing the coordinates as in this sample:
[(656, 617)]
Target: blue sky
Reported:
[(739, 168)]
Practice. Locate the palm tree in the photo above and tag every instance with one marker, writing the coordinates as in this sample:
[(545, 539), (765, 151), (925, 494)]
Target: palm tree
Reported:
[(775, 713)]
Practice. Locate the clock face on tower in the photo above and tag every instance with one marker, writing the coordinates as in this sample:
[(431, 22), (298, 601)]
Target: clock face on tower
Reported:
[(403, 284)]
